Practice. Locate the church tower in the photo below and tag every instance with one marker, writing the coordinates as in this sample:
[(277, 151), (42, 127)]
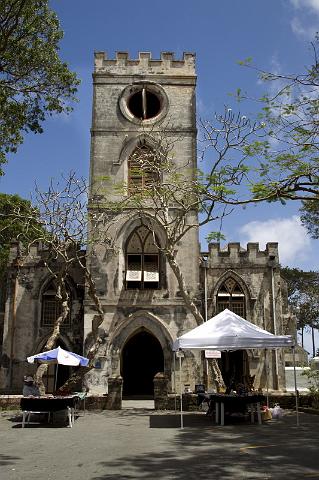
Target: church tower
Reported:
[(133, 101)]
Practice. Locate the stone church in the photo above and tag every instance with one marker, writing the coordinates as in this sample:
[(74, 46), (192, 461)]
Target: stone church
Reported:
[(144, 311)]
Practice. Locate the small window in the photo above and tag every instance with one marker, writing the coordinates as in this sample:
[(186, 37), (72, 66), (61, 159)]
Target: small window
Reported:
[(144, 104), (231, 296), (52, 307)]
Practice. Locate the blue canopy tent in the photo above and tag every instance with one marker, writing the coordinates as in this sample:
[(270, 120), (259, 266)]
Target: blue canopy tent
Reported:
[(60, 357)]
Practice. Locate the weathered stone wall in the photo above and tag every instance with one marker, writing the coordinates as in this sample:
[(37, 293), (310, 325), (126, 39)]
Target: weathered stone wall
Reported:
[(115, 134), (258, 273), (23, 334)]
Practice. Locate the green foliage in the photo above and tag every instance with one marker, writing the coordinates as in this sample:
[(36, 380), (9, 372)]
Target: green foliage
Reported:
[(215, 236), (11, 230), (310, 217), (34, 82), (303, 295), (313, 380), (285, 152)]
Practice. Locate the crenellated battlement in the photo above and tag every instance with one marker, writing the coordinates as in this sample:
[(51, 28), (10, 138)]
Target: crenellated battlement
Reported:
[(235, 254), (123, 65), (18, 255)]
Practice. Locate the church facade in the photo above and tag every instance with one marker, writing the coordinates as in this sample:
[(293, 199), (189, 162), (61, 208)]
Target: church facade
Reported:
[(144, 311)]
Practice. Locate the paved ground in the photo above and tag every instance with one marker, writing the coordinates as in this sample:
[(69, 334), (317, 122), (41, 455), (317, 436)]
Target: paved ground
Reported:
[(138, 442)]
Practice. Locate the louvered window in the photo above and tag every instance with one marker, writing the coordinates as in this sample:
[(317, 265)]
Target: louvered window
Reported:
[(142, 171)]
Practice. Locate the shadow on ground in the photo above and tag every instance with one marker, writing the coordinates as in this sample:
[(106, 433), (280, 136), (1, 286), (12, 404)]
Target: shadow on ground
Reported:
[(276, 450)]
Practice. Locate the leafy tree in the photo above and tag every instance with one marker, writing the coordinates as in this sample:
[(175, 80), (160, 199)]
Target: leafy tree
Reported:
[(303, 297), (310, 217), (284, 161), (8, 230), (34, 82)]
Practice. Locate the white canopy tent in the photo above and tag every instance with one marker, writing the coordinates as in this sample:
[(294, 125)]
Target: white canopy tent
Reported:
[(228, 331)]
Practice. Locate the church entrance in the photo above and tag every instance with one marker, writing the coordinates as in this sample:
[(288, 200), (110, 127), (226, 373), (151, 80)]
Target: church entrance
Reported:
[(142, 359)]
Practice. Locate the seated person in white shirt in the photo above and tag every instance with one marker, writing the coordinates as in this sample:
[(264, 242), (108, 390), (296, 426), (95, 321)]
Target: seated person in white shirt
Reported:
[(29, 387)]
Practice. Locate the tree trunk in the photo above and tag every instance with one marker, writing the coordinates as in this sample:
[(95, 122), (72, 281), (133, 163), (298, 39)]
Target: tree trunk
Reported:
[(182, 287), (77, 377), (50, 344)]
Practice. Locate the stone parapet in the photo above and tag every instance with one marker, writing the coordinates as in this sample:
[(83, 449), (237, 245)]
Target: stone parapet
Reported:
[(92, 402), (234, 253), (123, 65)]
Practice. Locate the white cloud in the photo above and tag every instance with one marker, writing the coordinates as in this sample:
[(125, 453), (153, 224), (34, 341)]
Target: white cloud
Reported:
[(313, 5), (302, 31), (303, 24), (294, 244)]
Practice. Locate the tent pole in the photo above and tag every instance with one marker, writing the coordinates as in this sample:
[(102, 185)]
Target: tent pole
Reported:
[(181, 390), (295, 380), (56, 377), (267, 376), (175, 381)]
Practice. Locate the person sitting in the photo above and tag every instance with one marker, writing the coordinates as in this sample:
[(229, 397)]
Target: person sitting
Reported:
[(30, 389)]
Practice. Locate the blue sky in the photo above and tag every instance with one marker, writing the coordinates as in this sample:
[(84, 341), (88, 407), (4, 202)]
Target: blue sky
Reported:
[(276, 34)]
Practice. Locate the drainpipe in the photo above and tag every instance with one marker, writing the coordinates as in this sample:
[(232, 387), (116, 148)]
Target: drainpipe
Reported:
[(206, 309), (274, 317), (205, 290)]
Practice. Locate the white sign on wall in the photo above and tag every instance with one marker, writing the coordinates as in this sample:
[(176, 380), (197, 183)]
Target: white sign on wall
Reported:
[(213, 354), (180, 354)]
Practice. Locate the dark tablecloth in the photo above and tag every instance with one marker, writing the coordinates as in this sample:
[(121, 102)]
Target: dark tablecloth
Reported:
[(47, 404), (240, 400)]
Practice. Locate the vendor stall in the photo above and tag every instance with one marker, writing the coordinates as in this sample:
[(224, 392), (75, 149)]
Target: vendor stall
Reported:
[(228, 331)]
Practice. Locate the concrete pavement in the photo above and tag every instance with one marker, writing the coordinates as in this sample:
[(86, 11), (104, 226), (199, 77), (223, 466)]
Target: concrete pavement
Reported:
[(138, 442)]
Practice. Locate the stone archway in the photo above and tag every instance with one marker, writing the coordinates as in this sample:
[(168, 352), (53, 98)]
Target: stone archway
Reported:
[(142, 358)]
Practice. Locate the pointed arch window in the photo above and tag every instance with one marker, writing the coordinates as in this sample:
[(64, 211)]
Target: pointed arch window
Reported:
[(230, 295), (52, 306), (142, 171), (142, 261)]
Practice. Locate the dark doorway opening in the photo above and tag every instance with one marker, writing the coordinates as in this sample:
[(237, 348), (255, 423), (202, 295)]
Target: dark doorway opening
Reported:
[(142, 359), (234, 368)]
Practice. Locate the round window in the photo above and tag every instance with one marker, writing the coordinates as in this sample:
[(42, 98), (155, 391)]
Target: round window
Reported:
[(145, 103)]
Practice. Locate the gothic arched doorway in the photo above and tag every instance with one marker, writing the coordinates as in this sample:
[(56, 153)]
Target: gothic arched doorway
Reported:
[(142, 359)]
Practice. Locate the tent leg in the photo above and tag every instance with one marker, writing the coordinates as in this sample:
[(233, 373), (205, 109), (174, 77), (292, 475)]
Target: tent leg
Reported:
[(181, 390), (175, 382), (56, 377), (267, 376), (296, 390)]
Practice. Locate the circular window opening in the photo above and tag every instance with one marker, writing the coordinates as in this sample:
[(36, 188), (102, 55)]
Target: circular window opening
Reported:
[(144, 104)]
